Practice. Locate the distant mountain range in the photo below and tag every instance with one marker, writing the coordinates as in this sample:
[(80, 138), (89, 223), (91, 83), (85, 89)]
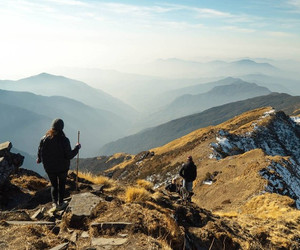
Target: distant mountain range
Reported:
[(25, 118), (220, 93), (52, 85), (150, 86), (274, 83), (140, 91), (178, 68), (103, 118), (162, 134)]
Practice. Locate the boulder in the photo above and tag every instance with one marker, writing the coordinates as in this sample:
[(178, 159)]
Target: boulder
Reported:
[(5, 170), (82, 204), (5, 148), (81, 207), (9, 162)]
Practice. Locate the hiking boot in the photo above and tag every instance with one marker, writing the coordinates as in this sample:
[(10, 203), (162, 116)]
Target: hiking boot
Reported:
[(62, 206)]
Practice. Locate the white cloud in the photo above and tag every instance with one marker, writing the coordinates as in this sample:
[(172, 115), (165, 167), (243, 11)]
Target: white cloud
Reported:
[(279, 34), (211, 13), (237, 29)]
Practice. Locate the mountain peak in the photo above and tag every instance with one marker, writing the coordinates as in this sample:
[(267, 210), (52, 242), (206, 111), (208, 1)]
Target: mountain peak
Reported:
[(245, 61), (249, 62), (45, 75)]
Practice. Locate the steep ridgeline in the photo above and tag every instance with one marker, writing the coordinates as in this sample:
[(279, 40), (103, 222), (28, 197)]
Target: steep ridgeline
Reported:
[(162, 134), (243, 157), (279, 137)]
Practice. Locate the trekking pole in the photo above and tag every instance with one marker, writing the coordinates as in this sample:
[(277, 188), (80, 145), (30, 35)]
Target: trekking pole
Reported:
[(77, 162)]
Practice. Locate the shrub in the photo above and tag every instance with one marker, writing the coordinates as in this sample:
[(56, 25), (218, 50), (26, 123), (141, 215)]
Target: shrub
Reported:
[(96, 179), (145, 184), (134, 194)]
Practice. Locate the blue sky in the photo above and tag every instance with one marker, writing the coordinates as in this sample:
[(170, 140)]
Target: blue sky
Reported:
[(37, 35)]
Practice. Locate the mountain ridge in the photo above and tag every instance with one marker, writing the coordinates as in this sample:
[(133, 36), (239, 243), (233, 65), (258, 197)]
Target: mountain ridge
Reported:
[(159, 135), (220, 92), (52, 85), (96, 125)]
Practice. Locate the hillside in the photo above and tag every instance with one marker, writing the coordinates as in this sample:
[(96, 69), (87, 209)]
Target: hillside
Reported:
[(242, 161), (26, 118), (259, 147), (157, 136), (188, 104), (52, 85)]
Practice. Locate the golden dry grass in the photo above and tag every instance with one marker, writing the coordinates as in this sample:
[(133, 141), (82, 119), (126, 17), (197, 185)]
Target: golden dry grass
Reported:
[(271, 206), (120, 165), (135, 194), (97, 179), (31, 183), (238, 124), (145, 184), (270, 214), (180, 142), (157, 196), (244, 123), (27, 237)]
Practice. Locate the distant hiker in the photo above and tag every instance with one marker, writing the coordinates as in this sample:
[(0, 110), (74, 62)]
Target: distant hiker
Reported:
[(55, 153), (188, 172)]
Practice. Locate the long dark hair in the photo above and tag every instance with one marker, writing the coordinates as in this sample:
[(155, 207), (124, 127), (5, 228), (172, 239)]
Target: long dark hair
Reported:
[(52, 132)]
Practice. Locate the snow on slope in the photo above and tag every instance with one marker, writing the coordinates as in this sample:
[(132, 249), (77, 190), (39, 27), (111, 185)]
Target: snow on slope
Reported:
[(281, 136)]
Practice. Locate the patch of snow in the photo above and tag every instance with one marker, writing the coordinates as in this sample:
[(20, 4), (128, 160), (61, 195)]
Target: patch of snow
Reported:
[(211, 156), (283, 178), (268, 113), (224, 143), (280, 137), (295, 119)]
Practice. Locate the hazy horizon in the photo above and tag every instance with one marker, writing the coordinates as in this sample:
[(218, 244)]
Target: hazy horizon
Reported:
[(38, 36)]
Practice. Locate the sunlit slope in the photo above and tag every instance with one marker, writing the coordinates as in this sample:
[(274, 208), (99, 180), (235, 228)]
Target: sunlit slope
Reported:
[(238, 169)]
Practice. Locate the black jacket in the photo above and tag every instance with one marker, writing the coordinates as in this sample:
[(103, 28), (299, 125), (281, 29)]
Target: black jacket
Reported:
[(188, 171), (55, 153)]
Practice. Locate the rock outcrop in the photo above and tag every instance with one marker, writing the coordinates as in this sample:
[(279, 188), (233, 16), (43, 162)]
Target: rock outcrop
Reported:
[(280, 136), (9, 162)]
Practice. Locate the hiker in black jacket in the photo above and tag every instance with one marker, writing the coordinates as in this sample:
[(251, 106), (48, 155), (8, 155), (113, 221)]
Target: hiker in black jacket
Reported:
[(55, 153), (188, 172)]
